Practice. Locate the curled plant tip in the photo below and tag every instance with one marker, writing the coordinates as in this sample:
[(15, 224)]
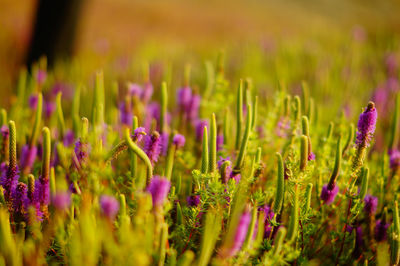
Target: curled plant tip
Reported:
[(140, 153), (204, 153), (213, 145), (122, 204), (239, 114), (85, 128), (280, 189), (279, 239), (303, 152)]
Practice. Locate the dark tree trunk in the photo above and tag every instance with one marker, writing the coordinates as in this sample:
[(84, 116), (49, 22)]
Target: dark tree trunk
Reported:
[(54, 32)]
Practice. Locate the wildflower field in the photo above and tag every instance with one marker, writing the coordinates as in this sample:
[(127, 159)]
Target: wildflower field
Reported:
[(278, 152)]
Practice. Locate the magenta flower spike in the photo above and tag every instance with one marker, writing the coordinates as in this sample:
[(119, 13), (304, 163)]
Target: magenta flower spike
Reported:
[(179, 140), (328, 194), (366, 125), (370, 204), (381, 228), (158, 188), (109, 206), (241, 232), (193, 201), (61, 200), (138, 134), (152, 146)]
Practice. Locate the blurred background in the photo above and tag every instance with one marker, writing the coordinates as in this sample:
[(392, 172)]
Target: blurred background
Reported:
[(118, 32)]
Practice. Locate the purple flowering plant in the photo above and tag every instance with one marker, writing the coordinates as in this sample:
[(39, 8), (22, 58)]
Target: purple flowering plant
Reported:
[(161, 174)]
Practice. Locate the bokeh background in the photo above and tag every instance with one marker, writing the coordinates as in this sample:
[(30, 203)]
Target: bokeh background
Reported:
[(287, 36)]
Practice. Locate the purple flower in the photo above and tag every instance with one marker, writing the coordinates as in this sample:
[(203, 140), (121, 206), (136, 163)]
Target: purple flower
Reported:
[(152, 112), (41, 76), (391, 64), (328, 195), (178, 140), (125, 113), (69, 138), (282, 127), (394, 159), (311, 156), (381, 228), (159, 188), (241, 232), (164, 143), (193, 201), (33, 100), (9, 179), (147, 91), (184, 99), (19, 196), (366, 125), (370, 204), (228, 170), (109, 206), (220, 142), (28, 155), (152, 146), (200, 124), (4, 131), (49, 108), (134, 90), (138, 134), (42, 191), (193, 109), (236, 176), (61, 200), (268, 216), (81, 151)]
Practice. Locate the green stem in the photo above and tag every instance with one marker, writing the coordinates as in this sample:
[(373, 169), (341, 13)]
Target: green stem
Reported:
[(38, 119), (336, 168), (46, 153), (204, 154), (164, 105), (60, 115), (280, 189), (239, 114), (245, 140), (213, 145)]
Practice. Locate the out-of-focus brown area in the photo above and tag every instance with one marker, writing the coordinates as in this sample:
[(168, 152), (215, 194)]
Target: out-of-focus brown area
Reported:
[(123, 25)]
